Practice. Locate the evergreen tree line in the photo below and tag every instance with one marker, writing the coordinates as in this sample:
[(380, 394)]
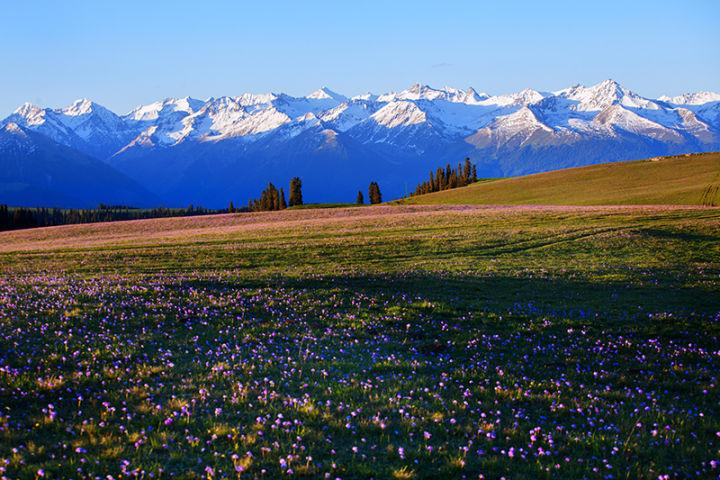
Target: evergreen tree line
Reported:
[(21, 217), (273, 199), (448, 177), (270, 199)]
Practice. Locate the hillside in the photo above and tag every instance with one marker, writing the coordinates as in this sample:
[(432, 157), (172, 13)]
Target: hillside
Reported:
[(677, 180)]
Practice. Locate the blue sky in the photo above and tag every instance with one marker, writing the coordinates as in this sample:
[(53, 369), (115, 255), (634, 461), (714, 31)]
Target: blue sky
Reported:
[(128, 52)]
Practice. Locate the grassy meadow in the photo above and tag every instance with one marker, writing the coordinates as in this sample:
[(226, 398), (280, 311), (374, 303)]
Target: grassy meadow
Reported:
[(379, 342), (679, 180)]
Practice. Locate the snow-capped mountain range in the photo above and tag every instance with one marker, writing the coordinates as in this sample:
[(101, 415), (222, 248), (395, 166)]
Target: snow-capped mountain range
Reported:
[(209, 152)]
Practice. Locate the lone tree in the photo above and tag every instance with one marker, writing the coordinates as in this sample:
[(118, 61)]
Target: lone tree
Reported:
[(231, 207), (374, 193), (360, 200), (295, 192)]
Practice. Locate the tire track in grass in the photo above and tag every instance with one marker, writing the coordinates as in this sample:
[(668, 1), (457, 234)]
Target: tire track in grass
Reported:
[(552, 240)]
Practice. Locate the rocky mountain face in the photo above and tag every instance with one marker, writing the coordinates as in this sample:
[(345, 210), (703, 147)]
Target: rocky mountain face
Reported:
[(209, 152)]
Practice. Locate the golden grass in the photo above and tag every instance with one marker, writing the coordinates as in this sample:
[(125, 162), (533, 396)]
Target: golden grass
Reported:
[(677, 180)]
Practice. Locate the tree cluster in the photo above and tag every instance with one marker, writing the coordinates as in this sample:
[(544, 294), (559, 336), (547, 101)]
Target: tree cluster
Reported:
[(273, 199), (270, 199), (12, 218), (448, 177)]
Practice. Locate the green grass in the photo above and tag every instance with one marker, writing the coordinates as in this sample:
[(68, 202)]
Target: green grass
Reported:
[(386, 342), (679, 180)]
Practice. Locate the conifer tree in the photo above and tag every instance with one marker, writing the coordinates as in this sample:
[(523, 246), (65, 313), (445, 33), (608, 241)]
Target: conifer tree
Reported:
[(360, 200), (274, 198), (283, 203), (440, 176), (295, 192), (467, 171), (231, 207), (374, 193)]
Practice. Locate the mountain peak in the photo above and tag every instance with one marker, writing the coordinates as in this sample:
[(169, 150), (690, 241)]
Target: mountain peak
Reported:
[(528, 96), (609, 87), (609, 83), (28, 109), (471, 92), (325, 93), (469, 96), (419, 91), (153, 111), (82, 106), (596, 97)]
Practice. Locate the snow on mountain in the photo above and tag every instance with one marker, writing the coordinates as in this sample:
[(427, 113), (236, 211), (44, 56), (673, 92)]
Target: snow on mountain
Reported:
[(522, 98), (604, 94), (83, 125), (690, 123), (14, 128), (102, 131), (620, 117), (584, 110), (470, 96), (79, 108), (365, 96), (252, 99), (537, 130), (396, 114), (418, 92), (260, 121), (348, 114), (697, 98), (44, 120), (31, 115), (325, 93), (705, 105), (14, 138), (516, 128), (153, 111), (415, 92)]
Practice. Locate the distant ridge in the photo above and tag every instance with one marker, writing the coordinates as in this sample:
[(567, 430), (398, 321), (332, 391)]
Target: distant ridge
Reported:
[(208, 152), (676, 180), (35, 171)]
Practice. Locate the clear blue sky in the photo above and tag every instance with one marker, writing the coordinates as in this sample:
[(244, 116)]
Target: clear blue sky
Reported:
[(125, 53)]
